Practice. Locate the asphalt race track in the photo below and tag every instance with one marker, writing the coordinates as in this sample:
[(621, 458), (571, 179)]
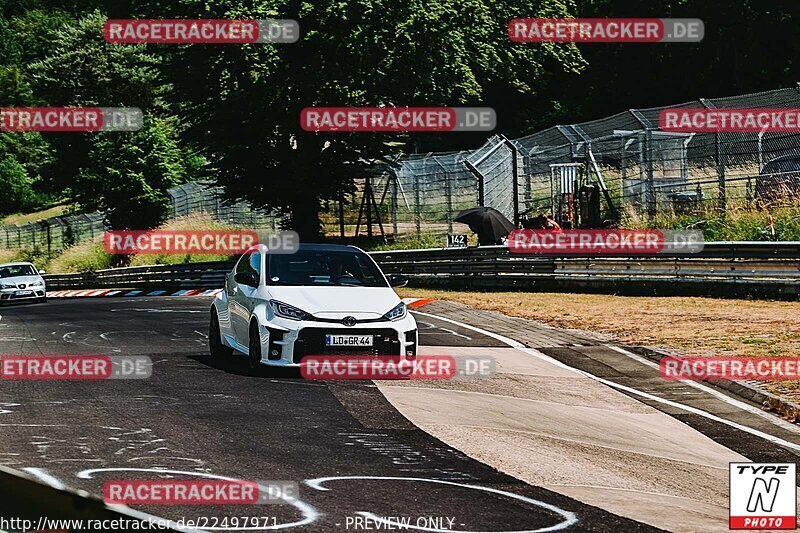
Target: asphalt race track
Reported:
[(198, 417)]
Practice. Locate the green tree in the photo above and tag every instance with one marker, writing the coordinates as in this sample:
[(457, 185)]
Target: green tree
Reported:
[(18, 194), (126, 174), (130, 173), (242, 103), (22, 156)]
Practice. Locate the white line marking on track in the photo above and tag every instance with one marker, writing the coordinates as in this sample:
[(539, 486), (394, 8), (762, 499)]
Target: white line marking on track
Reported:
[(310, 514), (42, 475), (693, 410), (717, 394), (569, 517)]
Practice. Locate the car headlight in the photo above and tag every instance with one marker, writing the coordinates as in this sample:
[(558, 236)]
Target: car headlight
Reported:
[(287, 311), (398, 312), (7, 286), (39, 283)]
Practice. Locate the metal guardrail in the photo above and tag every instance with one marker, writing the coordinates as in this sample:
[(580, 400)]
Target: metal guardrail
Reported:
[(209, 275), (721, 269), (724, 269)]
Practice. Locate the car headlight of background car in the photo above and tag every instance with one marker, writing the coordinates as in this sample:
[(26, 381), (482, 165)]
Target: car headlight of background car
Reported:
[(397, 313), (287, 311)]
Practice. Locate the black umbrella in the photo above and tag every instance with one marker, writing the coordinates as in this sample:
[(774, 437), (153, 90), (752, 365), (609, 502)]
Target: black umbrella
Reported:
[(488, 223)]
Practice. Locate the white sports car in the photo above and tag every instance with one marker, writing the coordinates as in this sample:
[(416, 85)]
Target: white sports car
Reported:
[(21, 281), (324, 299)]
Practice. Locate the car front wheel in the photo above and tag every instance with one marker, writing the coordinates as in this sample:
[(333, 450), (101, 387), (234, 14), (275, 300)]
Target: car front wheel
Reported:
[(215, 345), (254, 347)]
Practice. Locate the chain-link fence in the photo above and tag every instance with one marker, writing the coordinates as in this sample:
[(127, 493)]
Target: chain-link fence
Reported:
[(616, 168), (188, 199), (624, 165)]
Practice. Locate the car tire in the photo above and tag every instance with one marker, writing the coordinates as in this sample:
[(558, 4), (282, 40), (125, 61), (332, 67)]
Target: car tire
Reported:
[(254, 347), (42, 300), (215, 345)]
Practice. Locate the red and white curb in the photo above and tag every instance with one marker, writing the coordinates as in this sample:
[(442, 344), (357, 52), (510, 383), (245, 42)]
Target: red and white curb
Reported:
[(92, 293), (413, 303)]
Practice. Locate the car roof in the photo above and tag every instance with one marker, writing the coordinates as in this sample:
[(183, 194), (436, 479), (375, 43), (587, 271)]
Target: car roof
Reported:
[(303, 247), (16, 263), (330, 247)]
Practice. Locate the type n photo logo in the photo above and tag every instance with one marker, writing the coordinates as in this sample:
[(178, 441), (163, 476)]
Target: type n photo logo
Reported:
[(763, 496)]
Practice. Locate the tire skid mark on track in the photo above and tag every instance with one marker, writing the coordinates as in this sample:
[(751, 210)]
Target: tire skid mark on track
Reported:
[(272, 427)]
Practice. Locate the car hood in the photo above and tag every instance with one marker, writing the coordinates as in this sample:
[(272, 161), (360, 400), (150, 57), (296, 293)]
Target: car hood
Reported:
[(338, 302), (16, 280)]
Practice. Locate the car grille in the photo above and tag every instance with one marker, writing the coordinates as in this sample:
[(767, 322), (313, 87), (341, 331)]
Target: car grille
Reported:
[(9, 296), (311, 341)]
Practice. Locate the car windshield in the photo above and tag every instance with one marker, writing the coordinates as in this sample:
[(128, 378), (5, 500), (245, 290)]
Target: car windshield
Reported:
[(324, 267), (10, 271)]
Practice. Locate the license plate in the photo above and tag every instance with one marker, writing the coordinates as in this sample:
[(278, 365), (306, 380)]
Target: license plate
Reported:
[(24, 293), (348, 340)]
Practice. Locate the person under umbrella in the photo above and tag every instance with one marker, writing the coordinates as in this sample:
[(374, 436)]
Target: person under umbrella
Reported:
[(490, 224)]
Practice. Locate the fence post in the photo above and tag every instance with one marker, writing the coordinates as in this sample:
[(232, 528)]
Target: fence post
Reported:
[(472, 168), (417, 214), (720, 160), (721, 193), (341, 214), (448, 189), (514, 177), (47, 225), (651, 192), (394, 204)]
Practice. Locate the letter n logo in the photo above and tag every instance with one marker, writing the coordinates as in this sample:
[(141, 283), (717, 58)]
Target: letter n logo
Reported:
[(762, 497)]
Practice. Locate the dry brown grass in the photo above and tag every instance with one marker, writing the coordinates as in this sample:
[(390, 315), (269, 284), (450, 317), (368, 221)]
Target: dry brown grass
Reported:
[(679, 325), (692, 326)]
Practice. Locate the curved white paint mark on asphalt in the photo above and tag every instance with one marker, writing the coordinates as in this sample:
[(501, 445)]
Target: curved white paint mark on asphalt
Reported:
[(4, 411), (569, 517), (42, 475), (518, 345), (310, 514)]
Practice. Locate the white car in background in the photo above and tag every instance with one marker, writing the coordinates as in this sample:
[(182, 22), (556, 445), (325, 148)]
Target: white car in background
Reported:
[(21, 282), (324, 299)]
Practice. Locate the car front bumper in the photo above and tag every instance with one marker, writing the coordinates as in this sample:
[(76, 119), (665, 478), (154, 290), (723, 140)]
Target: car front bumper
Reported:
[(15, 295), (285, 342)]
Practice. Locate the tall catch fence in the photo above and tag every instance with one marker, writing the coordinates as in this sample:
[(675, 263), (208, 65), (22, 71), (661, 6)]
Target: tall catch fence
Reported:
[(188, 199), (634, 169), (612, 170)]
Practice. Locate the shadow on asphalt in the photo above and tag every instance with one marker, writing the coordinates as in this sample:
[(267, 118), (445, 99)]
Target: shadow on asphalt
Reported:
[(237, 364)]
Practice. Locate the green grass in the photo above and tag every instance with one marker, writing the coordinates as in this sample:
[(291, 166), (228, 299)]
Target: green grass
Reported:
[(23, 218), (737, 225)]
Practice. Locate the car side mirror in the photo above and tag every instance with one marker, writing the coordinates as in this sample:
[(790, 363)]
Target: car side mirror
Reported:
[(43, 272), (246, 278), (397, 280)]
